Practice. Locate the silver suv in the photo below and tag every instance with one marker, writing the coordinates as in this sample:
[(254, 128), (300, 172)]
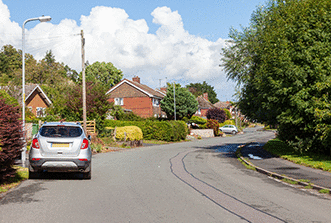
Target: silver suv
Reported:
[(60, 147)]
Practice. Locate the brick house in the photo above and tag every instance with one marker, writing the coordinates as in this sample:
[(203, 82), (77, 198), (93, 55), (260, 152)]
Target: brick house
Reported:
[(36, 100), (136, 97), (204, 105)]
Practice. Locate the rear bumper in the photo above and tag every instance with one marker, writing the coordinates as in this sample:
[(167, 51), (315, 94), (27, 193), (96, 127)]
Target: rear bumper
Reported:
[(60, 165)]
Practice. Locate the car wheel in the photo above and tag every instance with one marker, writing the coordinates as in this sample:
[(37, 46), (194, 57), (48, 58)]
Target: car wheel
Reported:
[(234, 132), (87, 175), (33, 175)]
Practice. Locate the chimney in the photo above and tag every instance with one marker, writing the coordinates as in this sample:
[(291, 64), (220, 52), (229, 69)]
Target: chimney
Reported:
[(163, 89), (136, 79), (205, 96)]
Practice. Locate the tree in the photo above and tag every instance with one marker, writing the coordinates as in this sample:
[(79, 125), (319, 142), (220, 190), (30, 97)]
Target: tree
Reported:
[(104, 73), (216, 114), (97, 104), (198, 89), (283, 62), (11, 139), (46, 71), (186, 104), (10, 61)]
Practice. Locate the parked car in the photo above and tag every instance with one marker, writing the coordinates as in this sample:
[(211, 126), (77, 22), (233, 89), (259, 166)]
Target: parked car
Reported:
[(229, 129), (60, 147)]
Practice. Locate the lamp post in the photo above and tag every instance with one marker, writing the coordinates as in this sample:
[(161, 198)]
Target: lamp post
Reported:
[(174, 101), (41, 19)]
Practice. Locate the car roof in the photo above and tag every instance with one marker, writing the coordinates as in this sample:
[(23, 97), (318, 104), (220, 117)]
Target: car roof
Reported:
[(61, 123)]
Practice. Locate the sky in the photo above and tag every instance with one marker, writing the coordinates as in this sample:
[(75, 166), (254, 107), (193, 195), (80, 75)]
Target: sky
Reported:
[(159, 41)]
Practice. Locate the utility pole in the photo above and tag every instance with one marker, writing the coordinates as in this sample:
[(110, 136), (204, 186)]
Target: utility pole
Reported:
[(83, 78)]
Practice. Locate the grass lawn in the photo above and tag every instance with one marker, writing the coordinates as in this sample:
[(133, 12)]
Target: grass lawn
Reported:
[(21, 174), (281, 149)]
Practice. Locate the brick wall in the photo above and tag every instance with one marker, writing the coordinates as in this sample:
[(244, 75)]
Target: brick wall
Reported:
[(141, 106)]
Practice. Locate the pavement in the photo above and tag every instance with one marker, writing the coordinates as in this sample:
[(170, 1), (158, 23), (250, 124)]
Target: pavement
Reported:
[(254, 155)]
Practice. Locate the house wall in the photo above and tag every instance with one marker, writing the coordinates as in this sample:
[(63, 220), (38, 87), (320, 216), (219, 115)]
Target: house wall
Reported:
[(141, 106), (36, 101), (202, 114)]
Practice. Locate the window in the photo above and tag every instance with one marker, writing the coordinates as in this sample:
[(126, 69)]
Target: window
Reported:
[(119, 101), (41, 112), (61, 131), (156, 102)]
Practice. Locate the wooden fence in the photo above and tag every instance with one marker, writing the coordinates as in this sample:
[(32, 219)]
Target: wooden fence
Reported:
[(90, 126)]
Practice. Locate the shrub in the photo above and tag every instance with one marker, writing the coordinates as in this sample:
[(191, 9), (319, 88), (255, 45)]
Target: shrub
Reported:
[(228, 114), (213, 124), (198, 120), (11, 137), (133, 133), (216, 114), (228, 122)]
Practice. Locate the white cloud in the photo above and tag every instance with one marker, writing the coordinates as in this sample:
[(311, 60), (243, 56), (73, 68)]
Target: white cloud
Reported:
[(112, 36)]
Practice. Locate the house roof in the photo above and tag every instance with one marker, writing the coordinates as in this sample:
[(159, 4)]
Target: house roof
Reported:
[(141, 87), (222, 105), (29, 89), (203, 103)]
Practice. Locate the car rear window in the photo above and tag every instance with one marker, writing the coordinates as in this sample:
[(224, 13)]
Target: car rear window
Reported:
[(60, 131)]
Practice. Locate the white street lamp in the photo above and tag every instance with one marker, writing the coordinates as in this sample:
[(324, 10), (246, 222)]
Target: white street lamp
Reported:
[(41, 19)]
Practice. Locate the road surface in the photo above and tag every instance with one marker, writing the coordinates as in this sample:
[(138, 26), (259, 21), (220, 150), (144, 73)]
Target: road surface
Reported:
[(198, 181)]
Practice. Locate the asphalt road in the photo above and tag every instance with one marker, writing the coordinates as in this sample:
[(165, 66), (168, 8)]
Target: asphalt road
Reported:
[(198, 181)]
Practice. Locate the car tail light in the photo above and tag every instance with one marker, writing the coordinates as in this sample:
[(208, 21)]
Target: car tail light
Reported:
[(84, 144), (35, 144), (83, 160)]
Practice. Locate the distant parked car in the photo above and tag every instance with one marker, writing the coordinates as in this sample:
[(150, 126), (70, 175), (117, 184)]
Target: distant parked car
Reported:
[(229, 129), (60, 147)]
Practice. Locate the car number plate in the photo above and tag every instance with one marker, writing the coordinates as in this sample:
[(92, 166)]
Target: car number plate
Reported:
[(60, 145)]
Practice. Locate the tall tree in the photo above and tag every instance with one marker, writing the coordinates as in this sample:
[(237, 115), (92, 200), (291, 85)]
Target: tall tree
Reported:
[(283, 62), (198, 89), (104, 73), (186, 104), (10, 61)]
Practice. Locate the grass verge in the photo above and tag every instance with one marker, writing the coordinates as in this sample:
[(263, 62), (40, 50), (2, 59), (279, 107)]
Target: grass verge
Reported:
[(281, 149), (21, 174), (238, 154), (155, 142)]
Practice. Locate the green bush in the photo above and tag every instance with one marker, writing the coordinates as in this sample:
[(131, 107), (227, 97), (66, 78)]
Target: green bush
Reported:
[(228, 114), (169, 131), (228, 122), (198, 120), (133, 133)]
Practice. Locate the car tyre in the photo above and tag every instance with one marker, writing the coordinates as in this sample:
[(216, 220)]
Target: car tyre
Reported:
[(33, 175), (234, 132), (87, 176)]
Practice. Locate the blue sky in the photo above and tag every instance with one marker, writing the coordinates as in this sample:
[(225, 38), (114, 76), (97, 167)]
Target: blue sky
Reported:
[(169, 40)]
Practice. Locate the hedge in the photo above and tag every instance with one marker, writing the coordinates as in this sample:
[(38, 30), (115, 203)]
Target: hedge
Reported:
[(170, 131)]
